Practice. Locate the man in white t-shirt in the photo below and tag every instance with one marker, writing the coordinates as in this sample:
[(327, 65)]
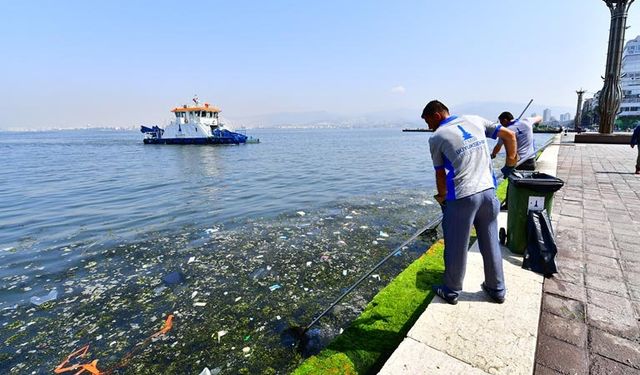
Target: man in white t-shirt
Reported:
[(524, 138), (466, 190)]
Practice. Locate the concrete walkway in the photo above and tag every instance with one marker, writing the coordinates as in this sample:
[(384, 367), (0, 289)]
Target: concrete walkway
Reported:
[(586, 320), (591, 311)]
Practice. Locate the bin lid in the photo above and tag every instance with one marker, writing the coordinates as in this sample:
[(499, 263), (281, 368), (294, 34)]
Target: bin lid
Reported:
[(541, 182)]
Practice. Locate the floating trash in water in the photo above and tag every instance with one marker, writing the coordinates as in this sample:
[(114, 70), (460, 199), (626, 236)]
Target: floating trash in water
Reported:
[(194, 294), (301, 213), (344, 273), (348, 217), (158, 291), (211, 230), (220, 334), (199, 304), (247, 338), (238, 299), (383, 234), (341, 243), (246, 349), (309, 263), (191, 260), (364, 227), (205, 371), (173, 278), (274, 287), (374, 242), (44, 299)]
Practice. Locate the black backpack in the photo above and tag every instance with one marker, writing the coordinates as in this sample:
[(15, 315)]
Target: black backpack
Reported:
[(541, 244)]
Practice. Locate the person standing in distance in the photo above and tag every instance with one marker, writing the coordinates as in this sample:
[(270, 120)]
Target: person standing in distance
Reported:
[(635, 140), (524, 139), (466, 190)]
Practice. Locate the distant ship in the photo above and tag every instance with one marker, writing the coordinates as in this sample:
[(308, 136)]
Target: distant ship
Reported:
[(199, 125)]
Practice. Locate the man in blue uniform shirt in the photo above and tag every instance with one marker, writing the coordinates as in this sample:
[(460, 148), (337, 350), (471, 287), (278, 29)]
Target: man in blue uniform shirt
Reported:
[(466, 189), (635, 140), (524, 140)]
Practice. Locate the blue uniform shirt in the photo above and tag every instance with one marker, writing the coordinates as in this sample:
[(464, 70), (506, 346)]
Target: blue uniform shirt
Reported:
[(459, 146)]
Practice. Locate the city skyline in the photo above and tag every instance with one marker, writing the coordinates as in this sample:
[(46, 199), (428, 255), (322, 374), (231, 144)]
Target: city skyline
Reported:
[(118, 64)]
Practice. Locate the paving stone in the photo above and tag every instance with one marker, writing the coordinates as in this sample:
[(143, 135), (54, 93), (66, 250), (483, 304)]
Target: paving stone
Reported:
[(629, 265), (570, 331), (594, 239), (570, 275), (623, 324), (564, 307), (544, 370), (600, 250), (561, 356), (615, 348), (630, 255), (609, 301), (628, 246), (625, 238), (632, 277), (604, 366), (565, 289), (599, 259), (604, 272)]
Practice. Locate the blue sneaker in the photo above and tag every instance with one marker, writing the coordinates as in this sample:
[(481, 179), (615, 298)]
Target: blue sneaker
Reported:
[(493, 294), (446, 294)]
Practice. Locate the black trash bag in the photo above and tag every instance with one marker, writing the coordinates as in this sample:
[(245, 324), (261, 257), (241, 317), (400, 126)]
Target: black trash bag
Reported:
[(541, 244)]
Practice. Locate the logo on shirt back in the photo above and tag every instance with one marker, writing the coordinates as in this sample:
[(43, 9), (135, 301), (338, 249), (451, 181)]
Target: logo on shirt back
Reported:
[(465, 135)]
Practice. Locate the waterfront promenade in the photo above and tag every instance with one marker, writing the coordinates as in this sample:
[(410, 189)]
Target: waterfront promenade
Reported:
[(583, 321)]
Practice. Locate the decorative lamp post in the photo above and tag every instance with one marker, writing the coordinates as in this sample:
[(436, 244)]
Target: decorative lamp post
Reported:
[(611, 94), (578, 119)]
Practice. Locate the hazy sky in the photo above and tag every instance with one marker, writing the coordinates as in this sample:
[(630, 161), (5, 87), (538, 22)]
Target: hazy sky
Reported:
[(124, 63)]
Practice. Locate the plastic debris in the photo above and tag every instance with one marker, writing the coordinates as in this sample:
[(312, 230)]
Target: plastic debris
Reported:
[(220, 334), (247, 338), (205, 371), (246, 349), (199, 304), (238, 299), (44, 299), (376, 276), (173, 278), (383, 234), (309, 263), (348, 217), (274, 287), (191, 260), (278, 317), (301, 213), (344, 273), (194, 294), (364, 227), (374, 242)]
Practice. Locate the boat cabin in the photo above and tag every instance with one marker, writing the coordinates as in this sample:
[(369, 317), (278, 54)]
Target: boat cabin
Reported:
[(206, 115)]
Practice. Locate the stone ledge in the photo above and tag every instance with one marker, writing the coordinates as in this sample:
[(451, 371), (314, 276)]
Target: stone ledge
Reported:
[(615, 138)]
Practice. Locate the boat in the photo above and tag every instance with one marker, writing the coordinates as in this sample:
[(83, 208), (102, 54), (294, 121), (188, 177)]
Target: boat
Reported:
[(198, 124)]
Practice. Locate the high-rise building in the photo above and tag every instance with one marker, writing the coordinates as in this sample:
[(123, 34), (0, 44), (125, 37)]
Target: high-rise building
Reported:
[(630, 79), (546, 115)]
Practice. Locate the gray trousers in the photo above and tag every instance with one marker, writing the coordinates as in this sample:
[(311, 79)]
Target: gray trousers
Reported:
[(480, 210)]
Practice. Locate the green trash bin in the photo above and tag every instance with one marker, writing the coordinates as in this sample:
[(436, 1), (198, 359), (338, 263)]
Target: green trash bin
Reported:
[(527, 191)]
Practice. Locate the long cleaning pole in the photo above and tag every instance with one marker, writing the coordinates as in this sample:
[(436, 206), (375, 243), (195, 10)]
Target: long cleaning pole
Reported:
[(431, 225)]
